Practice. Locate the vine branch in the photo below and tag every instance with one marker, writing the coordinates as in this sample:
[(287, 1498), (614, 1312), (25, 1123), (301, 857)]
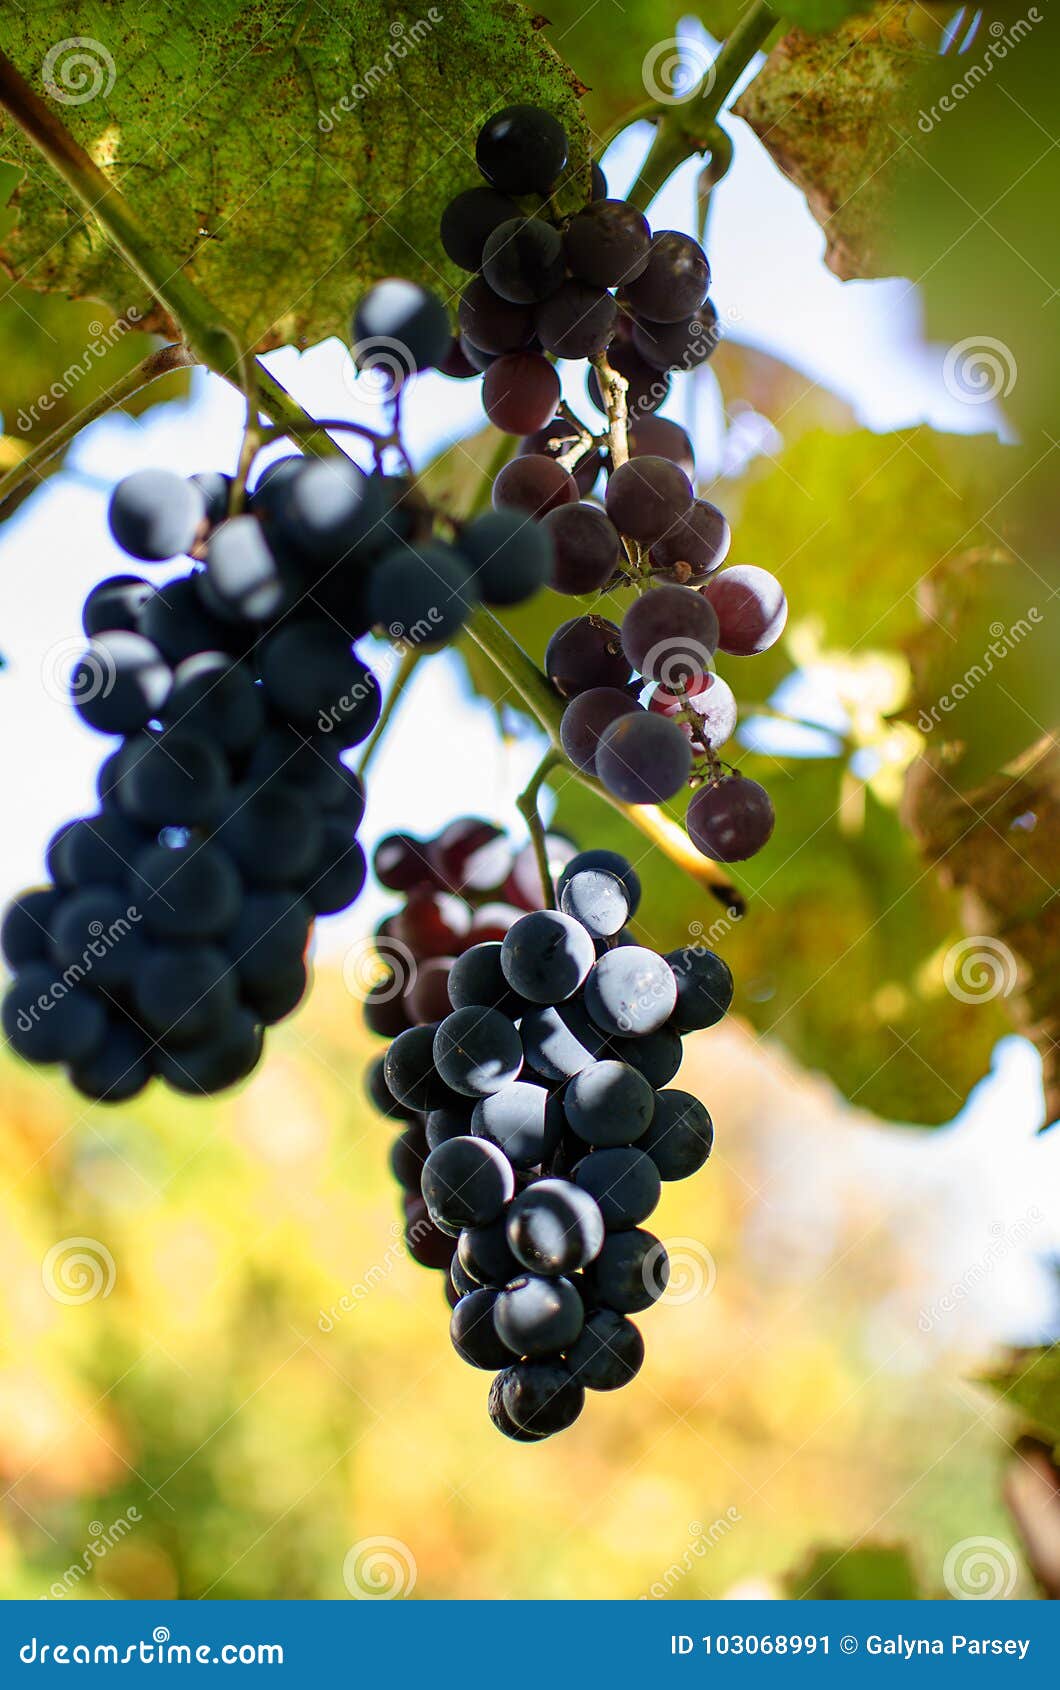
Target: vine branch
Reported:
[(406, 668), (685, 128), (527, 805)]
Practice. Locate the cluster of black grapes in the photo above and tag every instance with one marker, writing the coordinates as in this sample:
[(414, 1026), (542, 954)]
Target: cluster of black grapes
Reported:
[(601, 282), (539, 1125), (176, 922)]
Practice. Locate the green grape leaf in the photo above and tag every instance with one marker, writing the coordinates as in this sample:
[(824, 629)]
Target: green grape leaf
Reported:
[(872, 1572), (837, 112), (285, 157)]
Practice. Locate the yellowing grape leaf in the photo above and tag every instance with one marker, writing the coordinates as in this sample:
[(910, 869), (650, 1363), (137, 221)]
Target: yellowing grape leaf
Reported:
[(837, 113), (283, 157)]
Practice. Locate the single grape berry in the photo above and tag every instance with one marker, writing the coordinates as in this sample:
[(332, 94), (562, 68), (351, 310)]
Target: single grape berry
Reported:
[(576, 320), (607, 244), (509, 555), (608, 1353), (468, 221), (155, 515), (474, 1332), (673, 284), (631, 992), (670, 635), (659, 437), (535, 484), (400, 328), (730, 818), (521, 150), (623, 1181), (704, 987), (694, 545), (586, 548), (522, 1120), (559, 1040), (121, 683), (751, 608), (608, 1104), (477, 1051), (585, 719), (598, 900), (681, 1135), (631, 1272), (520, 392), (554, 1227), (421, 593), (466, 1182), (546, 956), (646, 496), (491, 324), (613, 863), (522, 260), (643, 759), (712, 705), (585, 652), (538, 1317)]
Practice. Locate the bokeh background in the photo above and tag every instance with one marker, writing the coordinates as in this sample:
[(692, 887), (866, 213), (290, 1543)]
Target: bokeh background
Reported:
[(246, 1389)]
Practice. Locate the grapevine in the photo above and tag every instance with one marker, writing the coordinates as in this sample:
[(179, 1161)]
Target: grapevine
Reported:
[(532, 1037)]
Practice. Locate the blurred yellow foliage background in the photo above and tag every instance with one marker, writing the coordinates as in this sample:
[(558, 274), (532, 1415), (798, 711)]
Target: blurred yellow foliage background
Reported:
[(263, 1380)]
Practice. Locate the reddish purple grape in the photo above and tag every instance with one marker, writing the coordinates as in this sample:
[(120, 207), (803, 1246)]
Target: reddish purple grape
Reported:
[(427, 998), (456, 364), (645, 496), (521, 150), (713, 703), (586, 717), (520, 392), (491, 323), (586, 548), (695, 545), (751, 608), (401, 862), (536, 484), (577, 321), (730, 819), (585, 652), (643, 759), (674, 282), (607, 244), (480, 361), (432, 924), (470, 856), (667, 638), (658, 437)]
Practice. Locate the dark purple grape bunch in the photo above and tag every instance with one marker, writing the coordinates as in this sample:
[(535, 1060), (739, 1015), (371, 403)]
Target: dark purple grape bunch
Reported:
[(175, 924), (539, 1125), (546, 287)]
